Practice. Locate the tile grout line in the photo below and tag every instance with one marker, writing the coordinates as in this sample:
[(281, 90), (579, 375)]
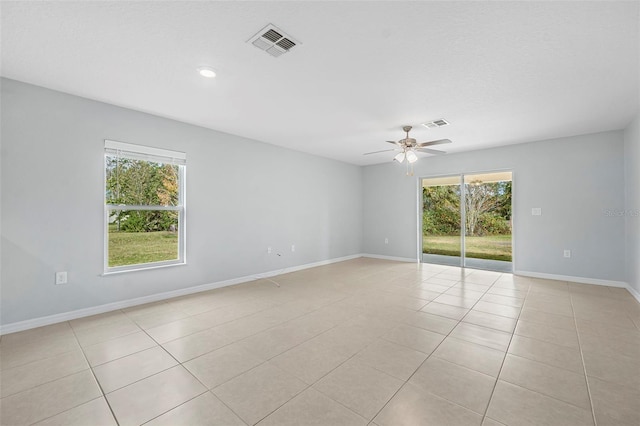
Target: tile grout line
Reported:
[(90, 367), (207, 390), (544, 363), (309, 386), (139, 380), (43, 383), (506, 352), (484, 415), (255, 367), (529, 293), (245, 316), (542, 393), (158, 344), (297, 378), (113, 414), (584, 367), (41, 359), (179, 405), (429, 356)]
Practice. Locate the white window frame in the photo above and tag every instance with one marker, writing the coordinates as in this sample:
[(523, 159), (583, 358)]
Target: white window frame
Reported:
[(146, 153)]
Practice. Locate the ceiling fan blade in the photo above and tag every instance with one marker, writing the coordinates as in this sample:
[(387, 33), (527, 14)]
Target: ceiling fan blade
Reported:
[(393, 142), (384, 150), (438, 142), (430, 151)]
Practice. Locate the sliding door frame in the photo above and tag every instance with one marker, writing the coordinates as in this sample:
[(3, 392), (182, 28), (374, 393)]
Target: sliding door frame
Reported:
[(463, 219)]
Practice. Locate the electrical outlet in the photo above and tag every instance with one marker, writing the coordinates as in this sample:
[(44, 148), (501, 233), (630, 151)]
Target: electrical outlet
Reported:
[(386, 241), (567, 253), (61, 277), (268, 250), (536, 211), (293, 247)]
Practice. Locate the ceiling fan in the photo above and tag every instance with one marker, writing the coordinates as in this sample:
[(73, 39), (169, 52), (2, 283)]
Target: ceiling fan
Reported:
[(408, 147)]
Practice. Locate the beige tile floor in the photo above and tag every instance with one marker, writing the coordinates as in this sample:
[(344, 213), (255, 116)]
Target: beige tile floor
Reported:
[(363, 342)]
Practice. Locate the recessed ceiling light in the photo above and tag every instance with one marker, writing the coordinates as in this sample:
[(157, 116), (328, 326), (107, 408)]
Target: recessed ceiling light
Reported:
[(207, 72)]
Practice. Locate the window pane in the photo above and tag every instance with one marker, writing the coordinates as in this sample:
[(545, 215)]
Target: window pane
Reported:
[(142, 236), (441, 220), (488, 218), (140, 182)]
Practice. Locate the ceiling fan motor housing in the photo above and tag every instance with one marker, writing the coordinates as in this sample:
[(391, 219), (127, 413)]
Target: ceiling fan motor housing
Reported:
[(407, 142)]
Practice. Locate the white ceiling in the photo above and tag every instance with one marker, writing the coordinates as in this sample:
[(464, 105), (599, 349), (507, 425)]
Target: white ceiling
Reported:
[(500, 72)]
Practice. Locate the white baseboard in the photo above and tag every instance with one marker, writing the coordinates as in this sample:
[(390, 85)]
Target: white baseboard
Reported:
[(306, 266), (397, 259), (581, 280), (94, 310), (100, 309), (635, 293)]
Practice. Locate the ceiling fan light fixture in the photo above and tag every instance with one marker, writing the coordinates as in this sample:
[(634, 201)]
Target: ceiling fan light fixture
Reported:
[(409, 147), (400, 157)]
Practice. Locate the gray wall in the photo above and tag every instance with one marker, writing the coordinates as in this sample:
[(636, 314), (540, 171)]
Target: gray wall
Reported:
[(242, 196), (574, 180), (52, 203), (632, 206)]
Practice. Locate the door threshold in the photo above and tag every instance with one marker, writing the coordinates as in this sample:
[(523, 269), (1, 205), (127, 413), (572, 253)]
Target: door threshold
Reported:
[(484, 264)]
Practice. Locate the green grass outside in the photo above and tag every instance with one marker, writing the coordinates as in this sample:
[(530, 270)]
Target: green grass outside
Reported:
[(130, 248), (494, 247)]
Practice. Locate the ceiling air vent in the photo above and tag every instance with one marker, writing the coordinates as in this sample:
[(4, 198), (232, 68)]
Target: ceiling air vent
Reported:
[(273, 40), (436, 123)]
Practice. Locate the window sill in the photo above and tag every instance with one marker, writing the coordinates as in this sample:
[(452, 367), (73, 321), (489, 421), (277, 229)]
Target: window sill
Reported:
[(142, 268)]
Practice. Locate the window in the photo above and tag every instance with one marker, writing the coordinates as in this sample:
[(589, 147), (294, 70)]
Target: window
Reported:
[(144, 219)]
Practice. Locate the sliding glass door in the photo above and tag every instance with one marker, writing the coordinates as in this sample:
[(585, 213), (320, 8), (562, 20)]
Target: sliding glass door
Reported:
[(482, 202), (441, 224), (487, 211)]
